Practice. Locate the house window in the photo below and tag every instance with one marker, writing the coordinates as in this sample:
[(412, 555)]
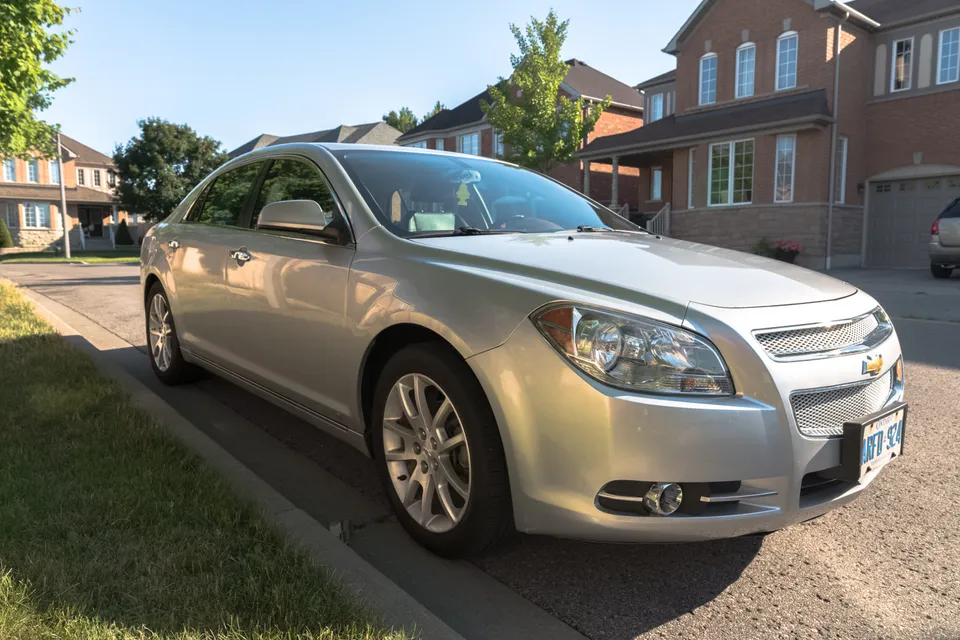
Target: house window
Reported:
[(33, 171), (418, 145), (948, 69), (498, 144), (10, 170), (840, 195), (746, 67), (656, 107), (708, 79), (111, 178), (13, 220), (786, 161), (656, 184), (440, 144), (470, 144), (134, 218), (96, 177), (731, 173), (54, 172), (80, 180), (36, 215), (902, 71), (787, 47)]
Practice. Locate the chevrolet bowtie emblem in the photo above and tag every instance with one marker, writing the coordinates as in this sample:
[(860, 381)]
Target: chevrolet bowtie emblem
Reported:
[(872, 366)]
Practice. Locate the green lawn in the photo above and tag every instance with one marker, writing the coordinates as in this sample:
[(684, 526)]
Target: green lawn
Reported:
[(131, 255), (110, 529)]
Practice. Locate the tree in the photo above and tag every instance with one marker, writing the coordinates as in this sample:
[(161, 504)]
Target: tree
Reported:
[(437, 108), (123, 237), (403, 120), (6, 240), (25, 86), (158, 169), (541, 127)]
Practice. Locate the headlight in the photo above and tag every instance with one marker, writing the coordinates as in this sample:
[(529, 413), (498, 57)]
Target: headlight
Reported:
[(635, 353)]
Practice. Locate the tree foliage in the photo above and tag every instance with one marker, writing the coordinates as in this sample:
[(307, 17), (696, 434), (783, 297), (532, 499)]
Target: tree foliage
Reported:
[(541, 126), (437, 108), (402, 120), (26, 45), (123, 237), (158, 168), (6, 240)]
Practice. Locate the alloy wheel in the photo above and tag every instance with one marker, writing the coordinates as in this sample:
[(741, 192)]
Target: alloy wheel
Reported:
[(160, 326), (426, 452)]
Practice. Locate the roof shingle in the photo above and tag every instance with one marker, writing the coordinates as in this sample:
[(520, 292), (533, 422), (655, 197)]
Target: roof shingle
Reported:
[(894, 11), (369, 133)]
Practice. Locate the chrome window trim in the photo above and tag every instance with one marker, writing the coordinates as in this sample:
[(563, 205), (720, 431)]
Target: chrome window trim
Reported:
[(875, 338)]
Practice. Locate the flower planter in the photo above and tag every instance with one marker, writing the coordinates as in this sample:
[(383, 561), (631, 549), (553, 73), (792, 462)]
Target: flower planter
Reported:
[(786, 256)]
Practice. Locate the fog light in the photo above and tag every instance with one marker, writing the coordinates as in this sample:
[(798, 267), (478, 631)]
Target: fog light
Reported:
[(663, 498)]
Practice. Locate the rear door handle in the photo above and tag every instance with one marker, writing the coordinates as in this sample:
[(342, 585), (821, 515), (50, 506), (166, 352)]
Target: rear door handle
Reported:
[(241, 256), (174, 245)]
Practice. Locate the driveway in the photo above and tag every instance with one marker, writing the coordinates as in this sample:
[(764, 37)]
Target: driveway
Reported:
[(881, 567)]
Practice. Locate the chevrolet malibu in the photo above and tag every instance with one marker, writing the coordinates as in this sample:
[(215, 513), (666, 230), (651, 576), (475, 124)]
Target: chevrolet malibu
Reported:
[(515, 356)]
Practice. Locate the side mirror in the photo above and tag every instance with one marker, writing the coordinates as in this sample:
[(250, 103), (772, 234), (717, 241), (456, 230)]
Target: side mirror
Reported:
[(301, 216)]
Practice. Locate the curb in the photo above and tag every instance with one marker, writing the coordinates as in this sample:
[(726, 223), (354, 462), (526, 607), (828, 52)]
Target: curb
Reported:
[(392, 605)]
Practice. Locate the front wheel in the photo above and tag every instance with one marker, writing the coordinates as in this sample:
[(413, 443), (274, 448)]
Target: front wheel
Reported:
[(940, 272), (439, 453), (166, 360)]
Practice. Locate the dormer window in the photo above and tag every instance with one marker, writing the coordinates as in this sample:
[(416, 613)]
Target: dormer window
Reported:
[(746, 68), (787, 48), (708, 79)]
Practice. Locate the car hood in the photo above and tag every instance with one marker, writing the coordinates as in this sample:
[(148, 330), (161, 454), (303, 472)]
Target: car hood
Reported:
[(665, 268)]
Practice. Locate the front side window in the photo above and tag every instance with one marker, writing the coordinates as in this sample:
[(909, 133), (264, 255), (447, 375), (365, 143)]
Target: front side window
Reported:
[(295, 180), (840, 185), (80, 180), (54, 172), (426, 194), (731, 173), (746, 68), (224, 200), (10, 170), (787, 49), (36, 215), (656, 107), (786, 160), (902, 72), (708, 79), (949, 64), (33, 171), (656, 184), (96, 177), (470, 144)]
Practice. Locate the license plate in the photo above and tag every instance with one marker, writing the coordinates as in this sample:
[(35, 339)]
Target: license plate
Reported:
[(881, 441)]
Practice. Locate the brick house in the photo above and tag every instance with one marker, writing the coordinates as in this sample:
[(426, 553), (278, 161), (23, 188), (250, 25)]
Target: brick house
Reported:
[(370, 133), (827, 123), (30, 198), (464, 129)]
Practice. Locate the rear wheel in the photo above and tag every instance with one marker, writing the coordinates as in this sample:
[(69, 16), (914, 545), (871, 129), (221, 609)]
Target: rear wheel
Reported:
[(940, 272), (164, 346), (439, 452)]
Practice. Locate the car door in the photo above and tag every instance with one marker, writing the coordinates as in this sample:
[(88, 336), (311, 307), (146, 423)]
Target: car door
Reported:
[(197, 253), (287, 291)]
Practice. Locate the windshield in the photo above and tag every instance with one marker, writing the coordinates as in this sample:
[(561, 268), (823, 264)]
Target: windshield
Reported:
[(418, 194)]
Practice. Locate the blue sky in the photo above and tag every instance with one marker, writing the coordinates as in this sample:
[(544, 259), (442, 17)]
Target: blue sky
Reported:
[(235, 69)]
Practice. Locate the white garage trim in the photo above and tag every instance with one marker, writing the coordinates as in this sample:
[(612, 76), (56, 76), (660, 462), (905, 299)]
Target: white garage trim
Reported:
[(916, 171)]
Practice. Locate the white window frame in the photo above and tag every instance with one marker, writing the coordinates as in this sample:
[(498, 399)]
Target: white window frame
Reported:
[(34, 164), (439, 144), (97, 179), (37, 208), (691, 167), (656, 108), (793, 168), (730, 178), (12, 215), (893, 66), (13, 164), (80, 181), (716, 71), (111, 178), (940, 58), (840, 186), (787, 35), (468, 135), (741, 50), (54, 163), (656, 184)]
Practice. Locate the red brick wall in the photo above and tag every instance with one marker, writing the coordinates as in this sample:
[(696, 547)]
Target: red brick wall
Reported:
[(615, 120), (486, 143), (899, 128), (855, 78)]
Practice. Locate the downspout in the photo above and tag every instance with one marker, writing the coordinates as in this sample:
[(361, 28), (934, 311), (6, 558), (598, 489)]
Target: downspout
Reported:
[(833, 141)]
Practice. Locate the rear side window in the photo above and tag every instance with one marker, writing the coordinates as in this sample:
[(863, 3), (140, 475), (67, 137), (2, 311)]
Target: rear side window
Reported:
[(952, 210), (223, 202), (295, 180)]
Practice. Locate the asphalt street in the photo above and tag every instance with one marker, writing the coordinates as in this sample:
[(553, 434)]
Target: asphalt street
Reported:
[(885, 566)]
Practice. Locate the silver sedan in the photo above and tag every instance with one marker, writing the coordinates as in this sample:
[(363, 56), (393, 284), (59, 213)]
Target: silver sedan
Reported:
[(516, 356)]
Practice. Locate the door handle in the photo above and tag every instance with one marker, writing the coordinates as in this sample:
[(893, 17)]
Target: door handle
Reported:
[(241, 256), (174, 245)]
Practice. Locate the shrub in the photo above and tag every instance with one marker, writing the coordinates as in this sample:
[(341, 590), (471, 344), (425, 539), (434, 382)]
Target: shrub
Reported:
[(764, 248), (6, 240), (123, 236)]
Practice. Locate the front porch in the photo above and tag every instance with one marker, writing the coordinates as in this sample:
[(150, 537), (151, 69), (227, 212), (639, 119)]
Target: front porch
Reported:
[(652, 175)]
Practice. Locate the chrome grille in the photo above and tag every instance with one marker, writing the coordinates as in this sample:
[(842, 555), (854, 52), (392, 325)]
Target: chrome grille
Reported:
[(823, 412), (822, 339)]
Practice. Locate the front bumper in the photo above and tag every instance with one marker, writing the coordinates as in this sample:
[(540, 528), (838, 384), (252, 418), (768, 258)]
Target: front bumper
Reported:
[(566, 436)]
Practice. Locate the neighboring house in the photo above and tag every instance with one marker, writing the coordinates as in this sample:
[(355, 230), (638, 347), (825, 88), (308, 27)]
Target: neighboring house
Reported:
[(754, 143), (30, 198), (465, 129), (371, 133)]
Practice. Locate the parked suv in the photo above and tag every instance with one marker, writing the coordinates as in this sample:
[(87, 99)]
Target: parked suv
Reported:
[(516, 356), (945, 241)]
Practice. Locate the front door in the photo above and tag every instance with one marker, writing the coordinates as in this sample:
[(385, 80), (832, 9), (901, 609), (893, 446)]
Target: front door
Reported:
[(92, 220), (289, 299)]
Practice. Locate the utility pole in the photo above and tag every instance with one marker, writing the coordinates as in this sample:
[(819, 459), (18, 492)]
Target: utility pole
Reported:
[(63, 201)]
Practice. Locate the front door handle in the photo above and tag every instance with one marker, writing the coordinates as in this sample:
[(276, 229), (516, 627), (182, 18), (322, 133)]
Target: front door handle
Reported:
[(241, 256), (174, 245)]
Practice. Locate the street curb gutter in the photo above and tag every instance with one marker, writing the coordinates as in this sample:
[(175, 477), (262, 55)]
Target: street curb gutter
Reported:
[(394, 606)]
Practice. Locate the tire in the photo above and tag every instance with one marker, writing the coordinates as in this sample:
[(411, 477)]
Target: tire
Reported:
[(172, 369), (485, 516), (940, 272)]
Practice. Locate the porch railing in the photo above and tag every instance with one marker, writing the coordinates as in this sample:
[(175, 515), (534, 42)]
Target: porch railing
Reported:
[(623, 212), (660, 223)]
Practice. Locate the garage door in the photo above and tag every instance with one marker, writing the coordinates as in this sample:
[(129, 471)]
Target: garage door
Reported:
[(901, 213)]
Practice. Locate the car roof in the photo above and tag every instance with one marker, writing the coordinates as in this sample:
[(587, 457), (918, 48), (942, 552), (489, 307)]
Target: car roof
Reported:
[(280, 149)]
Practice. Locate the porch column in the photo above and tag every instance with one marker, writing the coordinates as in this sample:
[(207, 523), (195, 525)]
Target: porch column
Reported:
[(586, 178), (614, 190)]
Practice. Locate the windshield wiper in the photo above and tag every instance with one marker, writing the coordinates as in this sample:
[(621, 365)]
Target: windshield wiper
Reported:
[(462, 231), (585, 228)]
